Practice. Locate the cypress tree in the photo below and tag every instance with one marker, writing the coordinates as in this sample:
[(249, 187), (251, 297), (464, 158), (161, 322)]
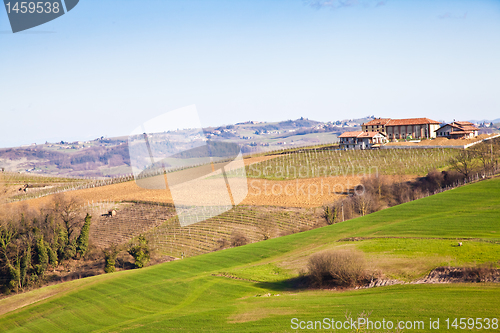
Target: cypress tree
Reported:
[(43, 257), (25, 264), (82, 243), (52, 256)]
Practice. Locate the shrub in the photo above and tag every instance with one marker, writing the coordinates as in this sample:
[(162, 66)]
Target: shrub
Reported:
[(344, 268), (110, 255), (222, 243), (265, 230), (481, 273), (238, 238), (287, 232), (139, 249)]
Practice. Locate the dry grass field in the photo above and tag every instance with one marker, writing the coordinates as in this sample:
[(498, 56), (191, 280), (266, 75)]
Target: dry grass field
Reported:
[(310, 192), (127, 191)]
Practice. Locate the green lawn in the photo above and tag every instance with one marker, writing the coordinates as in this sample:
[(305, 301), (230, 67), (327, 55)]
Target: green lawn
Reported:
[(188, 295)]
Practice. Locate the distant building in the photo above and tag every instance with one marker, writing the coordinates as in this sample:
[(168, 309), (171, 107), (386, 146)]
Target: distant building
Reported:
[(361, 140), (414, 128), (458, 130)]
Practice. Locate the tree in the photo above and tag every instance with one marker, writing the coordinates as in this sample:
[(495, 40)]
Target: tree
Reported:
[(7, 237), (331, 215), (60, 241), (82, 243), (364, 203), (25, 264), (42, 256), (67, 210), (139, 249), (464, 162), (53, 260), (487, 154)]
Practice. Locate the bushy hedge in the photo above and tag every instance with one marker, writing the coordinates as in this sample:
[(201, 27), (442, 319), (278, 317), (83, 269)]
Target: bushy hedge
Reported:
[(344, 268)]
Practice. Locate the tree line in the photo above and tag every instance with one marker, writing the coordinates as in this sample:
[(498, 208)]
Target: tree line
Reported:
[(33, 242)]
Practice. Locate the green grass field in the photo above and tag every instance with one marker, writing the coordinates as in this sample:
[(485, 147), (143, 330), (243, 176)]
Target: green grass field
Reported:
[(247, 289)]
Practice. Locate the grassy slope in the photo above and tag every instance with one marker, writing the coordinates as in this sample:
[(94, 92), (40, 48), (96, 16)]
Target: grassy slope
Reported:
[(184, 295)]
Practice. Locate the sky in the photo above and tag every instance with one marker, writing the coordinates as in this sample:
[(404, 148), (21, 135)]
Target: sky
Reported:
[(109, 66)]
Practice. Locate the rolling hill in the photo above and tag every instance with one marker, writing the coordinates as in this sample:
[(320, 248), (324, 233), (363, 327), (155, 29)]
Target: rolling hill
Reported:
[(249, 288)]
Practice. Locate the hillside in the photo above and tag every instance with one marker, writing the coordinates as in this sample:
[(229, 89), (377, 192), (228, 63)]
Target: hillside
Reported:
[(189, 295)]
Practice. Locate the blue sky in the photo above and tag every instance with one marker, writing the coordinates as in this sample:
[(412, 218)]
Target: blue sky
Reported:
[(108, 66)]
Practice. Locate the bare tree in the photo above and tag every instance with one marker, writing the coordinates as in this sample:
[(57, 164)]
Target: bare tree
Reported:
[(68, 210), (487, 154), (465, 162), (364, 203)]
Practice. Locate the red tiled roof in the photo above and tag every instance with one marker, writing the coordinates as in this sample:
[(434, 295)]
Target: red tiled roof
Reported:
[(350, 134), (470, 128), (369, 134), (379, 121), (411, 121), (457, 125), (463, 123), (359, 134)]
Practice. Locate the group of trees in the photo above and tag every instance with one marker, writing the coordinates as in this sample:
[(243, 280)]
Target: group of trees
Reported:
[(138, 248), (481, 158), (35, 242), (376, 193), (32, 242)]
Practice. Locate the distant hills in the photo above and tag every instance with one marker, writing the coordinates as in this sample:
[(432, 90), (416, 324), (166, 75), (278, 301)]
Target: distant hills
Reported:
[(108, 157), (105, 157), (494, 121)]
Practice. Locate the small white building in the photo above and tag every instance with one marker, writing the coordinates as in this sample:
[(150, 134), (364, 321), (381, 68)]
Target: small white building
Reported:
[(361, 140)]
